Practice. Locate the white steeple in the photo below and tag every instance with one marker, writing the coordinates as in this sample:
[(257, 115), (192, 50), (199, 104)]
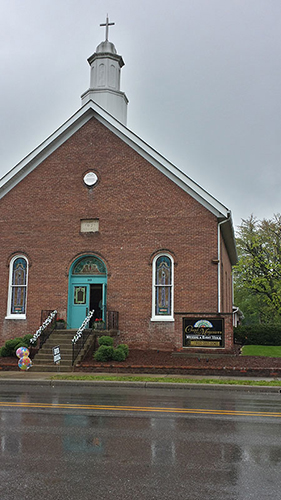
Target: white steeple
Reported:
[(104, 88)]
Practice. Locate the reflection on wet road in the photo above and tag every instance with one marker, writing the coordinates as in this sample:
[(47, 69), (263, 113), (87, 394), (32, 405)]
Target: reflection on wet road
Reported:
[(122, 443), (157, 409)]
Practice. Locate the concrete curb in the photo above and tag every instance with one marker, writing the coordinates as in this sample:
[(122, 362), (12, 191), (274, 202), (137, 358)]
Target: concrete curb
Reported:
[(139, 384)]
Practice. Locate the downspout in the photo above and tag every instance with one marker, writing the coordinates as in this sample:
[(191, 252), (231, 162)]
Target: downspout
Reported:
[(219, 262)]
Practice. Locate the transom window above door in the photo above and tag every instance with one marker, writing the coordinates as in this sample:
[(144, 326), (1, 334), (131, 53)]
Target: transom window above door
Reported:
[(89, 265)]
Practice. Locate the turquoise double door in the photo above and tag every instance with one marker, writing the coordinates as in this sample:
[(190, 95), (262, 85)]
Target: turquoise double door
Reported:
[(87, 292)]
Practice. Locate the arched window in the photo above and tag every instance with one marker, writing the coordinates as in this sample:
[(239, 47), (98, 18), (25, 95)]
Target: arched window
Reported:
[(163, 288), (17, 288)]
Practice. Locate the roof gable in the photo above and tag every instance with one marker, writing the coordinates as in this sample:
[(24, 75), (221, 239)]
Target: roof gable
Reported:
[(92, 110), (85, 113)]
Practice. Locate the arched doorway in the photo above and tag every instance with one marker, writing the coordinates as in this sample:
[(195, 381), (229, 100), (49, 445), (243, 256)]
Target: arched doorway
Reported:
[(87, 290)]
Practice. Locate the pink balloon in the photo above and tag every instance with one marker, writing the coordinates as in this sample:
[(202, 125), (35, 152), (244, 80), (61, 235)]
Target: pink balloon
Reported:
[(22, 351), (25, 363)]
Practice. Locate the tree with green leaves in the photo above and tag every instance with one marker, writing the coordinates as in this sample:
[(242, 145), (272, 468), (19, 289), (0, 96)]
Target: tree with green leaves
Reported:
[(257, 275)]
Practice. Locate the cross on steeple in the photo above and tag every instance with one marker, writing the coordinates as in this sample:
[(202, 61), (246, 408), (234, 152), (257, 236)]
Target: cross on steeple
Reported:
[(107, 24)]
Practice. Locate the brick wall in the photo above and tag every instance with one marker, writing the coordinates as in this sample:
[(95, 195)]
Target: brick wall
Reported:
[(140, 212)]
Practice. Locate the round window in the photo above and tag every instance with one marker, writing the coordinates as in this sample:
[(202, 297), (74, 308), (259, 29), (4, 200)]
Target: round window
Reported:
[(90, 179)]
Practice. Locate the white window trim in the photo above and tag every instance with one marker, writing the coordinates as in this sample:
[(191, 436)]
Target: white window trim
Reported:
[(9, 302), (158, 317)]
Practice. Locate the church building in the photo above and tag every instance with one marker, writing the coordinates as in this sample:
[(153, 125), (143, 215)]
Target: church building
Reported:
[(96, 219)]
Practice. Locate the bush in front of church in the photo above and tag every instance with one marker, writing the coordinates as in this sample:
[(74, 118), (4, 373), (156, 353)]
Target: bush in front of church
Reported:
[(125, 348), (106, 351), (119, 354), (105, 340), (11, 345)]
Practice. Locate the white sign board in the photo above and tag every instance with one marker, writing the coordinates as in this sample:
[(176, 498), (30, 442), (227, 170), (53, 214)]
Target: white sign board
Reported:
[(56, 353)]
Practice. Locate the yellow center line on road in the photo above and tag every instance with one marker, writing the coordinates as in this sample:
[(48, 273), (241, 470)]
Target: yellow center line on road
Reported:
[(69, 406)]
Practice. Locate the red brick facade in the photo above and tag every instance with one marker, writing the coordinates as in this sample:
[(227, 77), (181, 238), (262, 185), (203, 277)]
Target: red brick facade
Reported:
[(141, 212)]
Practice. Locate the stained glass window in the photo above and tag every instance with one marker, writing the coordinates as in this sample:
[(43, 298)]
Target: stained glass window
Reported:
[(163, 287), (18, 286), (89, 265)]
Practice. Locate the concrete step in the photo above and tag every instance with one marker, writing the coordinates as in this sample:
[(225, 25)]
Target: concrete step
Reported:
[(50, 359), (61, 345), (44, 359), (49, 349), (58, 341), (61, 338), (49, 352), (51, 363), (64, 330), (53, 342), (51, 368)]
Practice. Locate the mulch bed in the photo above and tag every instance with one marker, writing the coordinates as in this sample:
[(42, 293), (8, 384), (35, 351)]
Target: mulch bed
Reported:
[(173, 363), (8, 363), (169, 362)]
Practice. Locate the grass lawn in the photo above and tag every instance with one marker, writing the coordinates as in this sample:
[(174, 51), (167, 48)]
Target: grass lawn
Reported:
[(144, 378), (272, 351)]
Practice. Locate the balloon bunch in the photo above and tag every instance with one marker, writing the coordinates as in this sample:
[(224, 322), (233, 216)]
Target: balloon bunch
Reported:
[(24, 362)]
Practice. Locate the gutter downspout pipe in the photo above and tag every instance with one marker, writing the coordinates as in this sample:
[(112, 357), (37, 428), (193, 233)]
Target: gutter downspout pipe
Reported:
[(219, 261)]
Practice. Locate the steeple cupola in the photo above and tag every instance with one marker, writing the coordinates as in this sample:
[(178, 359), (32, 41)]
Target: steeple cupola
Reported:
[(104, 88)]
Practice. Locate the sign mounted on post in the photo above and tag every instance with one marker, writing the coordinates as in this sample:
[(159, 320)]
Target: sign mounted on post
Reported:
[(56, 353), (203, 332)]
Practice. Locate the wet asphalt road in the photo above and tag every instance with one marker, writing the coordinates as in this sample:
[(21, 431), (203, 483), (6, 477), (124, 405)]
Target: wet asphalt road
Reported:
[(127, 443)]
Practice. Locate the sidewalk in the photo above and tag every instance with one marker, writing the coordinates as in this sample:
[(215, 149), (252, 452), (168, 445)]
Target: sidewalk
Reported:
[(29, 378)]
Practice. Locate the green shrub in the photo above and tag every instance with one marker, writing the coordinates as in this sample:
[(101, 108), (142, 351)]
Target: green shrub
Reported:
[(27, 338), (107, 352), (125, 349), (264, 334), (105, 340), (119, 354), (4, 352), (11, 345), (104, 353), (21, 344), (12, 342)]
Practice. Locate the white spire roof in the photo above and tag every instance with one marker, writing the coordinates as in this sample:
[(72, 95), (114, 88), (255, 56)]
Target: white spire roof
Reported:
[(106, 47), (105, 78)]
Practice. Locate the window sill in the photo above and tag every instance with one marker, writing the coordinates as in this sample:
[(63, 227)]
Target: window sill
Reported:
[(16, 316), (162, 318)]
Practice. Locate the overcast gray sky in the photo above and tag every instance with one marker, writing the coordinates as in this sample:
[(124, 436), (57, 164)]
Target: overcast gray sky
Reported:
[(203, 78)]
